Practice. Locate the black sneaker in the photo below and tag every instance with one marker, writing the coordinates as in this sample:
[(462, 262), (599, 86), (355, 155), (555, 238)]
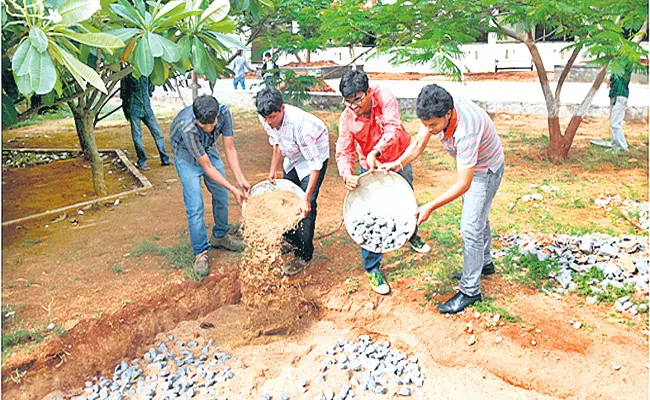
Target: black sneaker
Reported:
[(488, 269), (418, 245)]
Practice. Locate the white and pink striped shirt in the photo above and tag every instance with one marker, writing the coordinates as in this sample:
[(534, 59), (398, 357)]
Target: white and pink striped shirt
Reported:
[(475, 142), (302, 137)]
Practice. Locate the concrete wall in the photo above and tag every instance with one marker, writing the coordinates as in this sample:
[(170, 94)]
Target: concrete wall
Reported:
[(479, 57), (587, 73), (327, 101)]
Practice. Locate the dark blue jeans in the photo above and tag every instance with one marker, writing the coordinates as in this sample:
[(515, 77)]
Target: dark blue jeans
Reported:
[(151, 122), (191, 174), (303, 236), (371, 261)]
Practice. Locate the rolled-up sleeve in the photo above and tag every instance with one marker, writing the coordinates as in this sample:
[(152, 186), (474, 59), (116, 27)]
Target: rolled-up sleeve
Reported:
[(392, 121), (345, 150)]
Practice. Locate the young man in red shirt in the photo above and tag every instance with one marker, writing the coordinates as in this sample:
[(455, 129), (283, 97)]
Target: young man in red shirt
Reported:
[(371, 127)]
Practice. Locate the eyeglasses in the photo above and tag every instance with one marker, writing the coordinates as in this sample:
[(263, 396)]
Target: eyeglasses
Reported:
[(355, 102)]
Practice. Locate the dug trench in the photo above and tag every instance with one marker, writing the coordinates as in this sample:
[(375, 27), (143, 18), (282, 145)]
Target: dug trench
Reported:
[(564, 363)]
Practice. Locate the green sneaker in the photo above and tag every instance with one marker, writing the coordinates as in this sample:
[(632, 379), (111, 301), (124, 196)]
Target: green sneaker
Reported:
[(418, 245), (378, 283)]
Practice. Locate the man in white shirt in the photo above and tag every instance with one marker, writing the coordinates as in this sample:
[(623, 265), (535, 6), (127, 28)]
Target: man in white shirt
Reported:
[(303, 140)]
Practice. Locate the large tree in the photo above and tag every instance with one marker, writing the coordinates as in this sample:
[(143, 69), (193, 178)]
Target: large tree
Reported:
[(425, 31)]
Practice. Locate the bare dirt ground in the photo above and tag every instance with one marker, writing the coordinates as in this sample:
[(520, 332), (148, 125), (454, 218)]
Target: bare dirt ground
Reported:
[(67, 275)]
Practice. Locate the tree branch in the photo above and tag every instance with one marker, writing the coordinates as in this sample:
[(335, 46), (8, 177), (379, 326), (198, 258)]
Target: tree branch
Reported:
[(510, 32), (565, 71), (584, 106), (29, 113), (547, 35)]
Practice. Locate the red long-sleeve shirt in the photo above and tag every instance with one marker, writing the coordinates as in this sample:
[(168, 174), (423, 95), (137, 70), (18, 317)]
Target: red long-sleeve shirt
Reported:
[(383, 132)]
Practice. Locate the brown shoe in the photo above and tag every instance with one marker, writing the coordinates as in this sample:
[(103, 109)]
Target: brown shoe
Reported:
[(296, 266), (201, 264), (227, 242)]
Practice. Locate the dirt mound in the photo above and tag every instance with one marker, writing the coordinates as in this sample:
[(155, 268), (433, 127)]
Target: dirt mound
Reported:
[(276, 303)]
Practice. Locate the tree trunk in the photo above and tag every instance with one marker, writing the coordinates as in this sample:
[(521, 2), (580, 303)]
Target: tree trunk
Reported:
[(85, 124), (308, 58), (195, 86)]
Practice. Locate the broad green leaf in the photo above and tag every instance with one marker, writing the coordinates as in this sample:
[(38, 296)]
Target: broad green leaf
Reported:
[(53, 4), (184, 48), (229, 41), (142, 56), (216, 11), (158, 75), (20, 60), (124, 34), (154, 43), (49, 98), (140, 6), (106, 3), (210, 72), (199, 57), (38, 39), (101, 40), (172, 21), (224, 26), (169, 48), (73, 11), (192, 5), (81, 72), (125, 13), (9, 114), (168, 8), (24, 84), (43, 73)]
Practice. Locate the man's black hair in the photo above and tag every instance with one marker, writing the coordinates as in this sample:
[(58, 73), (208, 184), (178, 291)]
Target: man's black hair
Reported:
[(433, 102), (267, 54), (268, 101), (206, 109), (353, 82)]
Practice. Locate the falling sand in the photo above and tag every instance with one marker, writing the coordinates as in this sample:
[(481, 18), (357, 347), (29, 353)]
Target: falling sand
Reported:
[(276, 302)]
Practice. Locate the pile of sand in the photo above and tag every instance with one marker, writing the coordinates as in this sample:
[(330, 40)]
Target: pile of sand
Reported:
[(276, 302)]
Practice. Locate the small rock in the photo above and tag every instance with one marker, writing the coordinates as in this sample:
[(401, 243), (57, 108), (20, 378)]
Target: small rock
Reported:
[(577, 325), (498, 339), (616, 366), (50, 327), (472, 340), (370, 305)]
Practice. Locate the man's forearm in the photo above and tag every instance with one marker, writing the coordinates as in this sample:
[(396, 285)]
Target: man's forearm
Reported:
[(275, 158), (233, 160), (311, 186)]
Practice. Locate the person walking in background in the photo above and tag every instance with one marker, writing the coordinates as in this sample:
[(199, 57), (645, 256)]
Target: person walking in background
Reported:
[(371, 128), (239, 67), (194, 134), (270, 71), (619, 91), (136, 104), (304, 142)]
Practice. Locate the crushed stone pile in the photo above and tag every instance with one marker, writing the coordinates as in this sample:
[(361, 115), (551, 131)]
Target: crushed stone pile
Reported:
[(622, 261)]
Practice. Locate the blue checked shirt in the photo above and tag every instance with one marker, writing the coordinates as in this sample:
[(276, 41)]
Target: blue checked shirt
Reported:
[(190, 141), (138, 92)]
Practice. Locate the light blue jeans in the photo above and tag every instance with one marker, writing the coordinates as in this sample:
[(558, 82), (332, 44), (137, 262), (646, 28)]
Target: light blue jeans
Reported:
[(151, 122), (190, 174), (371, 261), (239, 80), (475, 229)]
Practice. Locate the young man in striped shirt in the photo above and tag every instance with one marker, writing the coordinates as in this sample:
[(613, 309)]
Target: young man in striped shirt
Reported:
[(468, 134), (371, 127), (303, 140)]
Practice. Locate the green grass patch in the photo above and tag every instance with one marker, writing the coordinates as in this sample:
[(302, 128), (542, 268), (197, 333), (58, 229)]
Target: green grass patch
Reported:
[(178, 256), (528, 269), (117, 269)]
